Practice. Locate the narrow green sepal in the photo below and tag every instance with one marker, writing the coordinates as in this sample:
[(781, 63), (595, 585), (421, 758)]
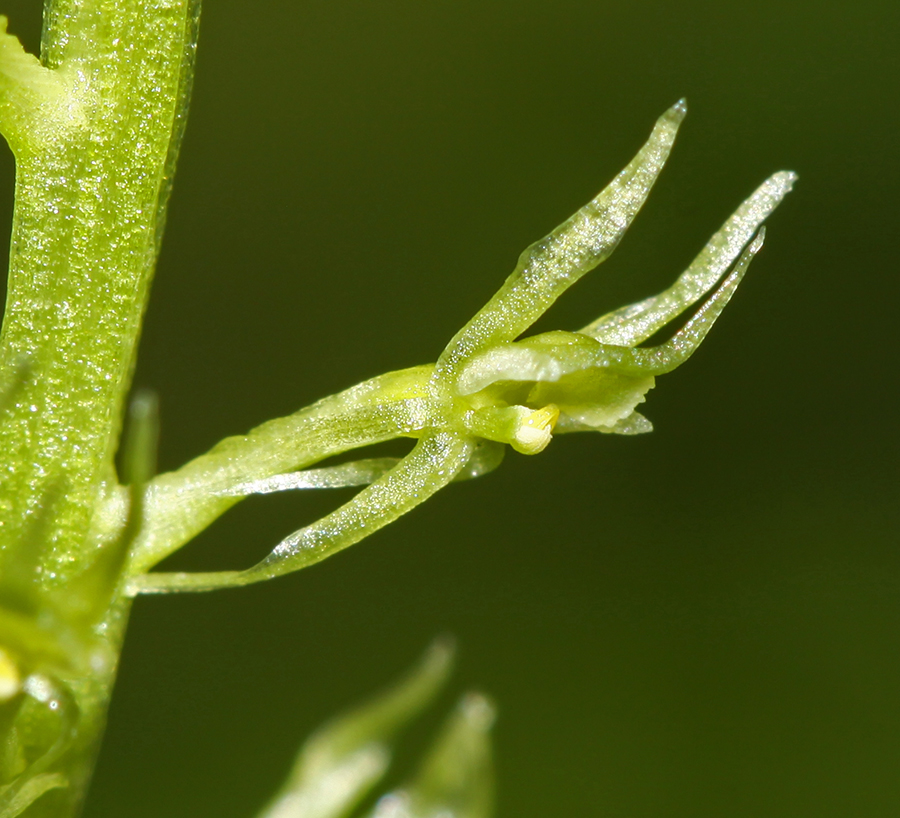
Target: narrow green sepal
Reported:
[(632, 324), (549, 267)]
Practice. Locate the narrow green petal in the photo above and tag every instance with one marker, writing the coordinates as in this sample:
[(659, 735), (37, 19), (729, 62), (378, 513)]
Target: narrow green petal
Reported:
[(434, 462), (630, 325), (340, 763), (357, 473), (549, 267), (684, 343), (456, 780), (485, 458), (545, 357)]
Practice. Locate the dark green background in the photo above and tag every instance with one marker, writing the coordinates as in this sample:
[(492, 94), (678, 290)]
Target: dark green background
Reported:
[(699, 622)]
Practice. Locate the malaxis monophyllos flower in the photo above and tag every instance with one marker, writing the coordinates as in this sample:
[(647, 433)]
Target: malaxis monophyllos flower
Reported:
[(486, 390)]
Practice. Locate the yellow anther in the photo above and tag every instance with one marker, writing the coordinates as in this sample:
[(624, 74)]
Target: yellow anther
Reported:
[(535, 430), (10, 680)]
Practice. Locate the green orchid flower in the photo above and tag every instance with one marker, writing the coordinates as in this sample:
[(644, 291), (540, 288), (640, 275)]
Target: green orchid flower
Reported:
[(488, 389)]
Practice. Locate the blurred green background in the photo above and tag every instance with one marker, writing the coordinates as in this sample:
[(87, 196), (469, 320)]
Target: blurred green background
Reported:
[(699, 622)]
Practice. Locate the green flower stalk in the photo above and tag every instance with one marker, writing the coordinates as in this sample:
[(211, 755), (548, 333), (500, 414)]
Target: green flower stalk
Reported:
[(95, 126)]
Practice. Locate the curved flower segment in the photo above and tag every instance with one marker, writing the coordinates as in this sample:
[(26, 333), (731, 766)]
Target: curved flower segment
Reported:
[(487, 389)]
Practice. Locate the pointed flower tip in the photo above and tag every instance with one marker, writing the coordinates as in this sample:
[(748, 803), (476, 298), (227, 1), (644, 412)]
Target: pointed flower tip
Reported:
[(478, 711), (679, 109), (144, 405), (785, 179), (441, 652), (671, 120)]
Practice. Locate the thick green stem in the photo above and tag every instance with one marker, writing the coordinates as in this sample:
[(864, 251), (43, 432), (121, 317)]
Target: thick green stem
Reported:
[(94, 156), (94, 128)]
